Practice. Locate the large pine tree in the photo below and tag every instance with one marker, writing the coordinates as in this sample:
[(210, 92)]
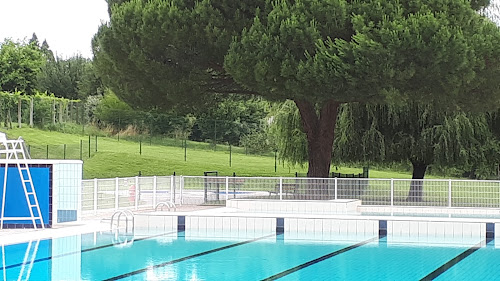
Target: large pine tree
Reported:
[(318, 53)]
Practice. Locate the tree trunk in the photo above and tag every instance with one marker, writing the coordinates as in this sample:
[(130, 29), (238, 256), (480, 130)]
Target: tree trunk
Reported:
[(9, 118), (61, 112), (320, 132), (417, 185), (53, 112)]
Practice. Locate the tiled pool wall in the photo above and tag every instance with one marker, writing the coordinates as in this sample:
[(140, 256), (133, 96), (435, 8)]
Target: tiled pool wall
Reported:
[(429, 210), (67, 178), (296, 206), (321, 228), (298, 219)]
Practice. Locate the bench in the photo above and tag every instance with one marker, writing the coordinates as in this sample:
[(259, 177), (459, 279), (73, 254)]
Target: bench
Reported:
[(287, 189)]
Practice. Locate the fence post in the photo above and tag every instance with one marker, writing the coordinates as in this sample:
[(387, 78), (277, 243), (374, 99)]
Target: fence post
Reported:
[(95, 143), (64, 152), (95, 196), (182, 189), (175, 187), (81, 149), (336, 188), (281, 188), (154, 191), (172, 199), (227, 188), (449, 193), (392, 192), (137, 192), (47, 157), (116, 193), (89, 146), (275, 159)]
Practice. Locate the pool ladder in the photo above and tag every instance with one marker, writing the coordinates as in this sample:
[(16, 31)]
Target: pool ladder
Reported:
[(127, 238), (129, 216), (167, 204)]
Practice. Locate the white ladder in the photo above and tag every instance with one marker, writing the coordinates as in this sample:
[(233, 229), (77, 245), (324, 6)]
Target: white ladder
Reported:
[(30, 254), (15, 153)]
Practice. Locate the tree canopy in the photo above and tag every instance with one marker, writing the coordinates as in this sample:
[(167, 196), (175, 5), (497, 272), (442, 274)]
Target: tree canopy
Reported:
[(19, 65), (72, 78), (318, 53), (169, 53)]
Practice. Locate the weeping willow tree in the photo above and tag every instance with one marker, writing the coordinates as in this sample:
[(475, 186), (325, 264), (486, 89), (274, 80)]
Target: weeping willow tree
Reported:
[(420, 134), (289, 135), (412, 132)]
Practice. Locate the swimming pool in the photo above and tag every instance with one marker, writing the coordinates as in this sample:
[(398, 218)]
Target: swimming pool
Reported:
[(246, 256)]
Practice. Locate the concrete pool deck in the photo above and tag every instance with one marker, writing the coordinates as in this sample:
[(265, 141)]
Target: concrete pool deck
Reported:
[(90, 222)]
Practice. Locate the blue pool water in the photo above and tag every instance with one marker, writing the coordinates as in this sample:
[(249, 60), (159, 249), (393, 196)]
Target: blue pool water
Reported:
[(182, 256)]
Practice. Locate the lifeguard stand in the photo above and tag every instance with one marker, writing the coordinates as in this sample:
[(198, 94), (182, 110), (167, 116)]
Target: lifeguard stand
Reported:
[(13, 152)]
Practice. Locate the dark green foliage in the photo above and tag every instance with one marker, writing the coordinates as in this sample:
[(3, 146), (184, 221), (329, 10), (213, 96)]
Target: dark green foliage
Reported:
[(111, 111), (49, 55), (42, 116), (232, 118), (419, 134), (115, 114), (387, 134), (171, 52), (34, 40), (72, 78), (89, 83), (258, 142)]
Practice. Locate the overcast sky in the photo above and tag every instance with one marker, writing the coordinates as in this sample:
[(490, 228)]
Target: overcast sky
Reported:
[(67, 25)]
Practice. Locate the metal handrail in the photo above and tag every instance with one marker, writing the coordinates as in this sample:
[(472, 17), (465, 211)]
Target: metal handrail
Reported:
[(166, 203), (128, 215)]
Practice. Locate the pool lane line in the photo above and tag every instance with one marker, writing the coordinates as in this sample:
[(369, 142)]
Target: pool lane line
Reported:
[(142, 270), (320, 259), (440, 270), (85, 250)]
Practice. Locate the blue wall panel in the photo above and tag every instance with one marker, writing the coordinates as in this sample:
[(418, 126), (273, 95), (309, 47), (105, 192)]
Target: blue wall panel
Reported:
[(15, 201)]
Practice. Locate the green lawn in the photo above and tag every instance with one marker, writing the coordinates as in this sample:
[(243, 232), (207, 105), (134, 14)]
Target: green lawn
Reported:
[(122, 158)]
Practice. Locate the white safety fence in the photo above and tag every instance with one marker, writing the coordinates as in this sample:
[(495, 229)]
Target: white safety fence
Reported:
[(147, 192), (129, 193)]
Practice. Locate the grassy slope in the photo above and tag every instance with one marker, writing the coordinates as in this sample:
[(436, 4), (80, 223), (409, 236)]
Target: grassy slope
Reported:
[(121, 158)]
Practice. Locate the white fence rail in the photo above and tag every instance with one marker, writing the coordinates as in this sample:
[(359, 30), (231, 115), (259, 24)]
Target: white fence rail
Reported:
[(146, 192)]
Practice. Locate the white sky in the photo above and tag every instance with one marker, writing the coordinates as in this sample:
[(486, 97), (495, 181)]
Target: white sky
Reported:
[(67, 25)]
